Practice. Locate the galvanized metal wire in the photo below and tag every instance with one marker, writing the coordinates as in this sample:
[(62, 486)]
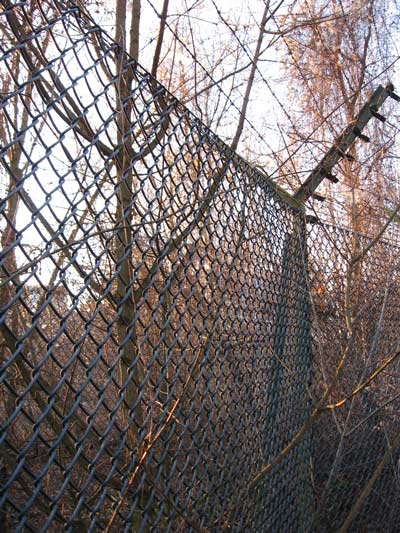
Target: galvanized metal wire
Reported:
[(155, 314), (169, 322), (351, 441)]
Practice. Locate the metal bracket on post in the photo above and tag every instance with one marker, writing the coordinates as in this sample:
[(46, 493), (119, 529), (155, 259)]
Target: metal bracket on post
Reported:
[(331, 177), (392, 94), (318, 197), (344, 141)]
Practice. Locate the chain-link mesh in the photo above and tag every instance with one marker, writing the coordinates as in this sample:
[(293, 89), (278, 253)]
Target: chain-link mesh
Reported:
[(155, 317), (355, 294)]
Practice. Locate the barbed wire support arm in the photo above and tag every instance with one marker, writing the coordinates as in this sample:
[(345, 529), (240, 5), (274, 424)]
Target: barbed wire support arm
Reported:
[(339, 150)]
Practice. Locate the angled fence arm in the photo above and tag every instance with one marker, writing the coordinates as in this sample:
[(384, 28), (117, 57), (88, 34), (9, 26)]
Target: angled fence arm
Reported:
[(344, 142)]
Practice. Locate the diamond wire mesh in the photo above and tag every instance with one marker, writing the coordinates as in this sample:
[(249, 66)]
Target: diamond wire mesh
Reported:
[(350, 444), (155, 315)]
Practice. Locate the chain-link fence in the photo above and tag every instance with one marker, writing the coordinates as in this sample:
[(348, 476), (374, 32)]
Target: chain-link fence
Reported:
[(355, 294), (155, 318), (160, 305)]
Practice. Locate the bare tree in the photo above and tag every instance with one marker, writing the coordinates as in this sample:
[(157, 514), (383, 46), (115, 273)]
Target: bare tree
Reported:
[(116, 345), (332, 65)]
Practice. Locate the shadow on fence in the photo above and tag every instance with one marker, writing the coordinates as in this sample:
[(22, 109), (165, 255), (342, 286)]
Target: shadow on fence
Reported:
[(159, 304)]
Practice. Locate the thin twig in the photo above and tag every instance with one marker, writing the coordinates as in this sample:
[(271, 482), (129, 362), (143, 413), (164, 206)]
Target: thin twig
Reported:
[(369, 486), (365, 384), (152, 442)]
